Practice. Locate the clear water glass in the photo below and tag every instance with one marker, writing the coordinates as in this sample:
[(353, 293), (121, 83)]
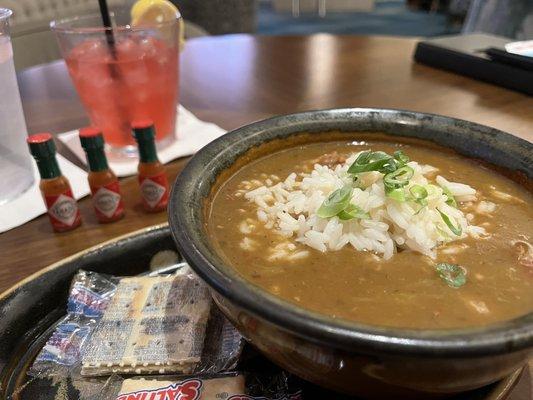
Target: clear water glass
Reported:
[(16, 166)]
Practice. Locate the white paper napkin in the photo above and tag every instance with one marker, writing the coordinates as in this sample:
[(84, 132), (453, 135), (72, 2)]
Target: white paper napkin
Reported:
[(193, 134), (30, 204)]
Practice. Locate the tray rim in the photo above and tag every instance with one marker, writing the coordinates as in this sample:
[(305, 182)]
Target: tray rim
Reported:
[(10, 290), (504, 387)]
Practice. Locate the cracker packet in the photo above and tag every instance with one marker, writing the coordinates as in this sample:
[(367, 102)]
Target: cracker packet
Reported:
[(162, 325), (153, 324)]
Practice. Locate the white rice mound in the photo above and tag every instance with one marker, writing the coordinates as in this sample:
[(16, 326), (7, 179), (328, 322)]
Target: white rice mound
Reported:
[(289, 207)]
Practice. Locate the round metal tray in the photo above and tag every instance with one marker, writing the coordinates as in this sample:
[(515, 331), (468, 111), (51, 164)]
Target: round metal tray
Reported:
[(30, 310)]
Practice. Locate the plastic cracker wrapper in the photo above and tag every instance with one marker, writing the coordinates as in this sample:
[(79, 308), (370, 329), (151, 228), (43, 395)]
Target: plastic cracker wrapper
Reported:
[(272, 386), (152, 324), (157, 325), (223, 345), (89, 296)]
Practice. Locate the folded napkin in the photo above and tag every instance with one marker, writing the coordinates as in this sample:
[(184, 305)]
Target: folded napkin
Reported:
[(30, 204), (193, 134)]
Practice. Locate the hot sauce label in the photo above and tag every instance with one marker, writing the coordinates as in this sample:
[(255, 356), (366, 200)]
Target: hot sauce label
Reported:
[(186, 390), (63, 210), (154, 190), (108, 201)]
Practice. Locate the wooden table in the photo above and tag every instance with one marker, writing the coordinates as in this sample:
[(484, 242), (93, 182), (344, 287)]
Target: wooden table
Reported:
[(234, 80)]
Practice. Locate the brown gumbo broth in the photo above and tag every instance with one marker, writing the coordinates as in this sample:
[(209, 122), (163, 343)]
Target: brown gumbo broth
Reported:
[(406, 290)]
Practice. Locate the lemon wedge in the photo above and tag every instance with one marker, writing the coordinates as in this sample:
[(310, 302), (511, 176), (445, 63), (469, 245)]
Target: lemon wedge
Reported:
[(155, 12)]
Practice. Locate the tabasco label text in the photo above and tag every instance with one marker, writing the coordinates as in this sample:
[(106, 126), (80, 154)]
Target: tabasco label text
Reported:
[(154, 191), (107, 201), (63, 210)]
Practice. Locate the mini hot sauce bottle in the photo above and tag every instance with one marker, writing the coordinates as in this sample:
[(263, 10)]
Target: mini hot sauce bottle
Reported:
[(105, 189), (55, 188), (152, 175)]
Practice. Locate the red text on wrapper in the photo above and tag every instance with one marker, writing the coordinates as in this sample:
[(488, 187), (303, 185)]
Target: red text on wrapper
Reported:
[(186, 390)]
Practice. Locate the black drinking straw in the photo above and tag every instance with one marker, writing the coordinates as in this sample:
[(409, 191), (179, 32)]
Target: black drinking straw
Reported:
[(110, 38), (106, 20)]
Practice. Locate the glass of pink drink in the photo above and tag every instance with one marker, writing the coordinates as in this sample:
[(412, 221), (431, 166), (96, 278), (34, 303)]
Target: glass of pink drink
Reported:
[(122, 74)]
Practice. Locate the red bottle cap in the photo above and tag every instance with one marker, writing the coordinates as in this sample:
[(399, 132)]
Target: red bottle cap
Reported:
[(91, 138), (90, 131), (41, 145), (143, 130), (39, 138), (142, 123)]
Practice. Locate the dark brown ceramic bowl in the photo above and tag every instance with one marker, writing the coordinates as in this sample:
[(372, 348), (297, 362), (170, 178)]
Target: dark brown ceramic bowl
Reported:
[(364, 360)]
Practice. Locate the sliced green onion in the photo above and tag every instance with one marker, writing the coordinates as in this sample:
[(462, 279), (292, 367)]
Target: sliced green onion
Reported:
[(378, 161), (363, 157), (419, 194), (419, 210), (400, 157), (395, 181), (337, 201), (369, 161), (456, 230), (400, 177), (450, 200), (397, 161), (453, 274), (396, 194), (391, 166), (352, 211)]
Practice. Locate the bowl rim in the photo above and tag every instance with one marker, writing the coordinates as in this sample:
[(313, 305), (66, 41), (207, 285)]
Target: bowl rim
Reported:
[(505, 337)]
